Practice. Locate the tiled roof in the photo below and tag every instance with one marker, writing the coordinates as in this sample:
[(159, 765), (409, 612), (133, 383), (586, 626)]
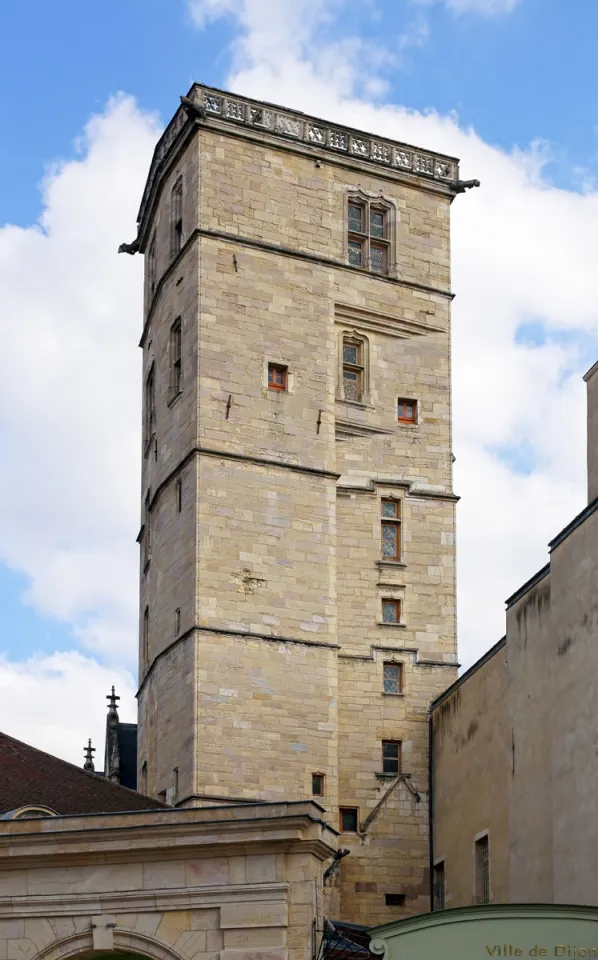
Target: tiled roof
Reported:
[(30, 776)]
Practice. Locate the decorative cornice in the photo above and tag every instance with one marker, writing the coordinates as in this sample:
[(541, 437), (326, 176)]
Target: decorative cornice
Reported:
[(139, 901), (384, 323), (348, 428), (292, 126)]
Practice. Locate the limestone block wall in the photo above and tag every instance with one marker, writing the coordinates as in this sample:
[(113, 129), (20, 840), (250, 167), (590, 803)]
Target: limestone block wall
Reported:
[(389, 855), (274, 562), (167, 888), (471, 770)]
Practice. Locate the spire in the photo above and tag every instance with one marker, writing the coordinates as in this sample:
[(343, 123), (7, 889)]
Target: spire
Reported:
[(112, 707), (112, 756), (89, 752)]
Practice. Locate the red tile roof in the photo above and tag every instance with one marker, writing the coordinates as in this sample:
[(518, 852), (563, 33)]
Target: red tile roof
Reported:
[(30, 776)]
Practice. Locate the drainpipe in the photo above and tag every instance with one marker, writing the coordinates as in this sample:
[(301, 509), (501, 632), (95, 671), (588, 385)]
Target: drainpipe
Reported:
[(430, 811)]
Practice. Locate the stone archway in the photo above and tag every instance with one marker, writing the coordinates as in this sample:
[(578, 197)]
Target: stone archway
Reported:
[(106, 940)]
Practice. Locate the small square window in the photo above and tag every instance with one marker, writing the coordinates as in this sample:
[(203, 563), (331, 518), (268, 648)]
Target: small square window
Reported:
[(349, 819), (277, 377), (317, 784), (391, 757), (391, 611), (406, 411), (393, 678), (394, 899)]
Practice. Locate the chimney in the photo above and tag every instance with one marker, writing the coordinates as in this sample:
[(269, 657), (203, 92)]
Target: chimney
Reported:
[(591, 378)]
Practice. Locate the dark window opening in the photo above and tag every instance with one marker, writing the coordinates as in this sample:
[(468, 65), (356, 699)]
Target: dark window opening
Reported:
[(391, 757), (438, 886), (317, 784), (349, 819), (394, 899)]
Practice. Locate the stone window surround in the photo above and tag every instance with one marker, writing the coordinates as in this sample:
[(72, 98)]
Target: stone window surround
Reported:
[(364, 198), (354, 336), (480, 836), (277, 362)]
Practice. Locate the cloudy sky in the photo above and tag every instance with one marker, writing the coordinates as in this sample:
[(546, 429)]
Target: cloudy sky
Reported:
[(509, 86)]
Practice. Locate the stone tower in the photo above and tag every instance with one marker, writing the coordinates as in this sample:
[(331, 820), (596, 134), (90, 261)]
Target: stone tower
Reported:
[(298, 520)]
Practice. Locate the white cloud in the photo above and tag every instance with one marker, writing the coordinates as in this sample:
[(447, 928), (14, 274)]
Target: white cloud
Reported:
[(70, 386), (56, 703), (523, 251), (488, 8)]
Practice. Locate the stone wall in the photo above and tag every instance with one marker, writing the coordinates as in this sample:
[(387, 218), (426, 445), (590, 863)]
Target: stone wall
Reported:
[(274, 562), (176, 885)]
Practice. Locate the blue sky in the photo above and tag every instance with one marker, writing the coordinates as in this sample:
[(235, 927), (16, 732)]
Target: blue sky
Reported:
[(509, 85)]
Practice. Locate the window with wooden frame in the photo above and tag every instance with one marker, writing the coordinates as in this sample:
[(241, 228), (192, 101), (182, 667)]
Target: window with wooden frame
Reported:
[(353, 369), (393, 678), (277, 377), (176, 360), (391, 611), (391, 757), (349, 819), (151, 266), (482, 870), (438, 886), (176, 217), (147, 529), (149, 428), (317, 784), (391, 530), (406, 411), (368, 235)]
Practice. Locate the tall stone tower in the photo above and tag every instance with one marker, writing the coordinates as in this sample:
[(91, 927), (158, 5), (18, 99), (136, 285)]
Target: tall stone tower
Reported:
[(298, 519)]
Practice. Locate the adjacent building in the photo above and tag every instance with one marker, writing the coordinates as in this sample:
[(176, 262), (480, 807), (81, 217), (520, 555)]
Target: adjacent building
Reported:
[(514, 755)]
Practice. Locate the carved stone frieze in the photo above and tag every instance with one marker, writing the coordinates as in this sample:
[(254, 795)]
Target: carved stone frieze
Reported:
[(309, 130)]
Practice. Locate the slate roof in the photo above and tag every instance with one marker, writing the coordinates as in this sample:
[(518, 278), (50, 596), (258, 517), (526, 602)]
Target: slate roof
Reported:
[(30, 776)]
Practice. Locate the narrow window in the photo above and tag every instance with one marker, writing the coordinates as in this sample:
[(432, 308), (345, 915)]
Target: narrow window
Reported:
[(391, 611), (143, 778), (147, 533), (368, 236), (317, 784), (391, 757), (357, 240), (394, 899), (438, 886), (151, 266), (348, 819), (175, 782), (150, 408), (176, 217), (175, 358), (353, 369), (407, 411), (177, 621), (277, 377), (145, 637), (178, 492), (482, 870), (391, 530), (393, 678)]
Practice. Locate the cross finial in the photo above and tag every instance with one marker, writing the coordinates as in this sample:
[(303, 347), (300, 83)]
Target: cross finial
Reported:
[(89, 752), (112, 698)]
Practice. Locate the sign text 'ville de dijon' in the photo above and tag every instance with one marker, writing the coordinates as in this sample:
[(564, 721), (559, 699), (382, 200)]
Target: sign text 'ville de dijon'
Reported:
[(557, 950)]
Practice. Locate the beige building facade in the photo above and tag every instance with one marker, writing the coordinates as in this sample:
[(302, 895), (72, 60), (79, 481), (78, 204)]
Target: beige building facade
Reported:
[(514, 758), (298, 517), (165, 884)]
